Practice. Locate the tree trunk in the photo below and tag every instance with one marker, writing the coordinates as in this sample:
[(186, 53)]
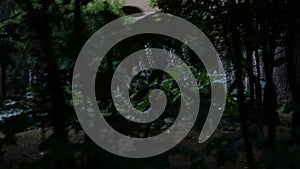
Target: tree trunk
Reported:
[(250, 74), (40, 23), (270, 115), (241, 98), (3, 81), (293, 56), (280, 77), (258, 92)]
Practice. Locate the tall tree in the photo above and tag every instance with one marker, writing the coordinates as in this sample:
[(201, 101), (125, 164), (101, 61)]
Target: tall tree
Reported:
[(293, 56), (241, 97), (40, 22)]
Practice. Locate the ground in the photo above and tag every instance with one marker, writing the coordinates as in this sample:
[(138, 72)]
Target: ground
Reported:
[(26, 147)]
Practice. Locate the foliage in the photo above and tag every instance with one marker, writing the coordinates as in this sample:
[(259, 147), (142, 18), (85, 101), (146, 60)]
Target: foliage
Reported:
[(245, 33)]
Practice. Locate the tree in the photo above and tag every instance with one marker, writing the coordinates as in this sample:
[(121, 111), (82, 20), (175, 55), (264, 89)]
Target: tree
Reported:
[(293, 37), (247, 33), (40, 23)]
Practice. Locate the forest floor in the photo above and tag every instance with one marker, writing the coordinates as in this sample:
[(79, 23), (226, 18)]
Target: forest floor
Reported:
[(26, 148), (27, 143)]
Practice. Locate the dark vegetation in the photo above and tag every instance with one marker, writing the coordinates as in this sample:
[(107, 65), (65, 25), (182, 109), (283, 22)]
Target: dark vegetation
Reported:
[(257, 40)]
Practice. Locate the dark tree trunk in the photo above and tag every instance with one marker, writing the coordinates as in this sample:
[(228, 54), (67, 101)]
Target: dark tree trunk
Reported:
[(241, 98), (293, 55), (3, 81), (40, 23), (270, 115)]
